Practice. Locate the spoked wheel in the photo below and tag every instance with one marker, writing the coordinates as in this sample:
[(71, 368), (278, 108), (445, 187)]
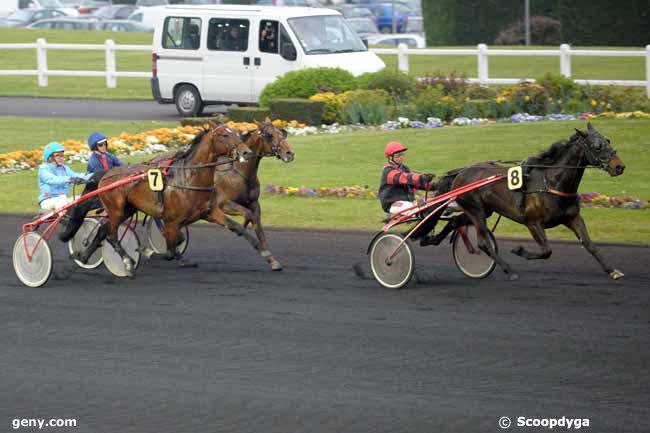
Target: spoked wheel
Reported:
[(36, 272), (156, 239), (391, 260), (130, 243), (82, 239), (469, 258)]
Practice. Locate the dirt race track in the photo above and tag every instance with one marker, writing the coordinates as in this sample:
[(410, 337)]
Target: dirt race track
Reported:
[(232, 347)]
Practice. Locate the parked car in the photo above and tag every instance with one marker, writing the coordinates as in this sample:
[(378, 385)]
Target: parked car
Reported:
[(411, 40), (387, 12), (89, 6), (363, 26), (299, 3), (148, 3), (114, 12), (354, 11), (63, 24), (24, 17), (47, 4), (147, 15), (121, 26)]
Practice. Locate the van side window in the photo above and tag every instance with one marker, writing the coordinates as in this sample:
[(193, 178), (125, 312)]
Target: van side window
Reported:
[(268, 36), (182, 33), (227, 34)]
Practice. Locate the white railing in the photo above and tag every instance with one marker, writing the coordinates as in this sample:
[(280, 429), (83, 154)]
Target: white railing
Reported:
[(43, 72), (565, 53), (403, 52)]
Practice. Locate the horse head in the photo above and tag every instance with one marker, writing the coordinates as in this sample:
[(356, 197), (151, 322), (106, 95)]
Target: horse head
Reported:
[(274, 141), (226, 141), (599, 152)]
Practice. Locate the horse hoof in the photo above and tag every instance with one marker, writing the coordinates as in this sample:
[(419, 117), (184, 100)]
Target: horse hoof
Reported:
[(616, 274), (276, 266), (187, 264), (513, 277)]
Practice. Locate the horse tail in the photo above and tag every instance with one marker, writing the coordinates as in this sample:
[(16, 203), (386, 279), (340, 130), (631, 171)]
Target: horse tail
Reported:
[(447, 179)]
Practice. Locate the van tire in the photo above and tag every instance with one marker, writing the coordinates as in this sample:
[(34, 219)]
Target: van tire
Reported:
[(188, 101)]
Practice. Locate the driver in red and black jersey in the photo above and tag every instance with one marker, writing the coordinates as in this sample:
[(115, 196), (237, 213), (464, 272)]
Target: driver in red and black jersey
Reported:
[(398, 182)]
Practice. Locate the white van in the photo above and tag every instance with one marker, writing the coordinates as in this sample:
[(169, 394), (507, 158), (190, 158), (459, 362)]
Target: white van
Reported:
[(227, 54)]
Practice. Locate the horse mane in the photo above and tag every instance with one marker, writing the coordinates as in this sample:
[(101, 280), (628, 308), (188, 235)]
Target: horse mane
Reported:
[(190, 149), (550, 155)]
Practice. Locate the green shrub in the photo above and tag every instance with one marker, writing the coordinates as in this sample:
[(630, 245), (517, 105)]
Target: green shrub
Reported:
[(479, 108), (306, 82), (475, 91), (248, 114), (370, 107), (558, 86), (302, 110), (396, 83), (433, 103)]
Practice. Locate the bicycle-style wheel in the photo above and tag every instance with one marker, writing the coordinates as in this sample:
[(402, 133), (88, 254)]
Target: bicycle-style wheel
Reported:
[(469, 258), (36, 272), (156, 239), (130, 243), (82, 239), (391, 260)]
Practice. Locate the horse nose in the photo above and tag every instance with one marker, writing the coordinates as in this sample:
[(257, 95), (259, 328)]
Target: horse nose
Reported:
[(620, 168)]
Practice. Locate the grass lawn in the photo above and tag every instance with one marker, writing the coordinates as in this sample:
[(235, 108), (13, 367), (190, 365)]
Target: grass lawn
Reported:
[(622, 68), (357, 158)]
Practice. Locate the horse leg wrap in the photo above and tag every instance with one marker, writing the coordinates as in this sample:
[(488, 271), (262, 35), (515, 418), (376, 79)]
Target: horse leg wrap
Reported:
[(265, 253)]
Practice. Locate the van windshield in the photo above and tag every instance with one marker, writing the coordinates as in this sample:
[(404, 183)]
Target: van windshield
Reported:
[(326, 34)]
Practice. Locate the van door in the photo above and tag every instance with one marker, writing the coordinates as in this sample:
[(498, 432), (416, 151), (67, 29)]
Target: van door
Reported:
[(268, 63), (227, 63)]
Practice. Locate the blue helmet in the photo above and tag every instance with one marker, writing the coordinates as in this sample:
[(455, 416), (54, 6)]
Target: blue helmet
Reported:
[(51, 148), (95, 138)]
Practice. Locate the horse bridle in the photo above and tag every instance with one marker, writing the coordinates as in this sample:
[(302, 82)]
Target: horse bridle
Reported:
[(599, 160)]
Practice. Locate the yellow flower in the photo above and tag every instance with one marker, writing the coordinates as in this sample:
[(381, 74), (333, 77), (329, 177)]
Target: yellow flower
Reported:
[(593, 103), (526, 98), (602, 102)]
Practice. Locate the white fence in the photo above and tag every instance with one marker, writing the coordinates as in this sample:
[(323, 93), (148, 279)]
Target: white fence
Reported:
[(481, 52)]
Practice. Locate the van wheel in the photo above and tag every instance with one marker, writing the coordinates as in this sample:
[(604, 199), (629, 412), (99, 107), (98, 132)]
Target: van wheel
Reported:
[(188, 101)]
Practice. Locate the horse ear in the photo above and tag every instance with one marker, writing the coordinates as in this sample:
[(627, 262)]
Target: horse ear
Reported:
[(590, 127), (214, 124), (259, 124), (268, 121), (582, 133)]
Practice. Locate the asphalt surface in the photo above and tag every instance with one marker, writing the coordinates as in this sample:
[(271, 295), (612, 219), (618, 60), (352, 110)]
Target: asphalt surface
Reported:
[(232, 347), (93, 109)]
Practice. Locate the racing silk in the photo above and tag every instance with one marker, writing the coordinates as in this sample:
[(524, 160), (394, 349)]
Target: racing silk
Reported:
[(54, 180), (398, 183), (102, 161)]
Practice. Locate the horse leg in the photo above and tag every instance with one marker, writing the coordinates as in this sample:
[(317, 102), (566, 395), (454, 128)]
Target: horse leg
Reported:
[(452, 224), (578, 226), (539, 234), (115, 219), (482, 233), (84, 255), (256, 220), (218, 216), (172, 232)]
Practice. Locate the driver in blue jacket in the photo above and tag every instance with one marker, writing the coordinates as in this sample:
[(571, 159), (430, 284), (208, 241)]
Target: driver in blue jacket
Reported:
[(100, 158), (55, 178)]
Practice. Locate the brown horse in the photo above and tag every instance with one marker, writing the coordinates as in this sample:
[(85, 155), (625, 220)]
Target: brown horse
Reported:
[(550, 195), (237, 191), (185, 199)]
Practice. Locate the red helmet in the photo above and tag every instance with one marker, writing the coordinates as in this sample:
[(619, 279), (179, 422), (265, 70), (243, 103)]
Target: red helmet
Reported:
[(392, 148)]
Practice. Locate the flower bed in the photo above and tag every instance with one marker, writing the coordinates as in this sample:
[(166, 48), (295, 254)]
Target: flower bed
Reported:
[(589, 199)]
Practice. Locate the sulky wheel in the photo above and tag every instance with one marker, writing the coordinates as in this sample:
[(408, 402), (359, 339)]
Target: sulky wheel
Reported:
[(391, 260), (469, 258), (130, 243), (82, 239), (34, 272), (157, 241)]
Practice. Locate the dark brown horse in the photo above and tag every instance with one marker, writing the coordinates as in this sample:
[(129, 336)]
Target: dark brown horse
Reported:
[(550, 194), (237, 191), (186, 198)]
